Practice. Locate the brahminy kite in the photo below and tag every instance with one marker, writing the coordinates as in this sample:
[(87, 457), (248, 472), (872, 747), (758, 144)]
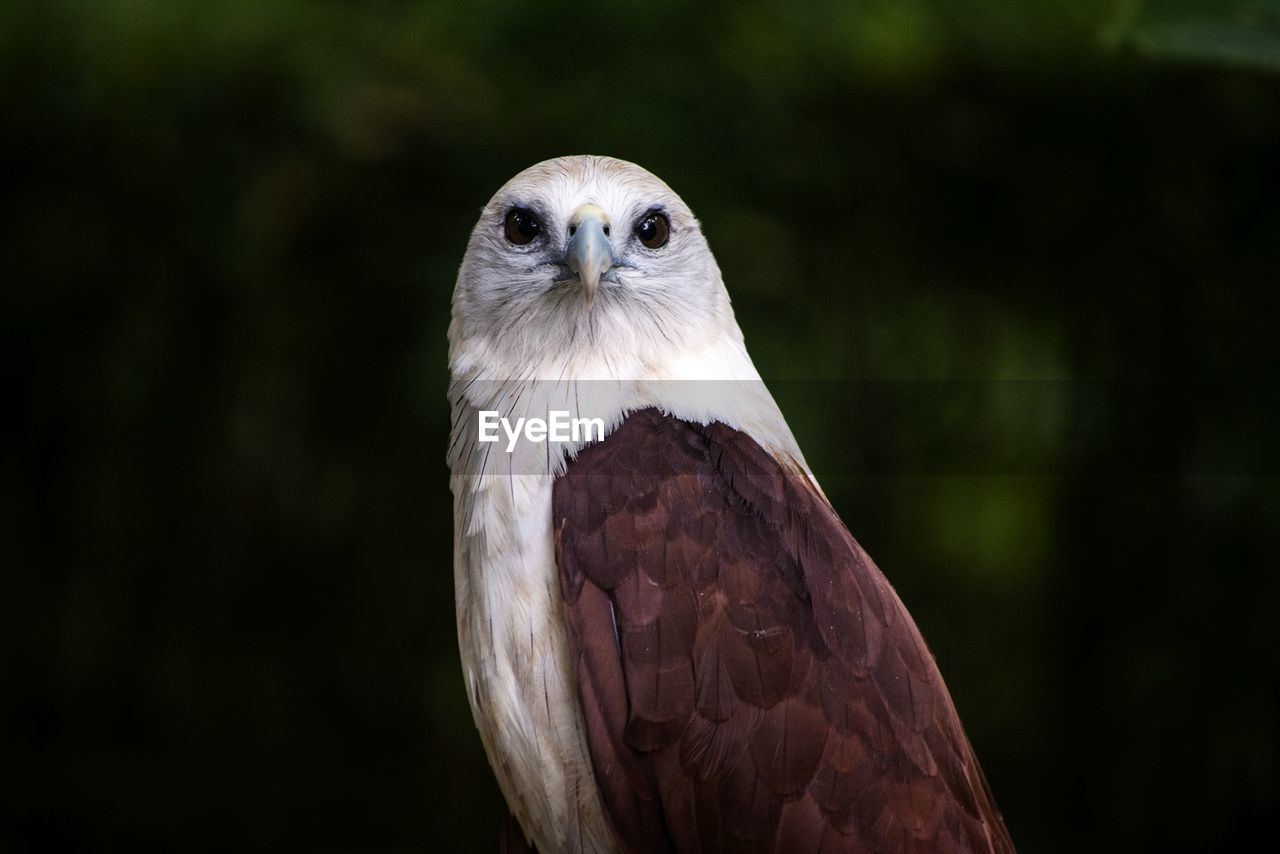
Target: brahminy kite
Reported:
[(670, 641)]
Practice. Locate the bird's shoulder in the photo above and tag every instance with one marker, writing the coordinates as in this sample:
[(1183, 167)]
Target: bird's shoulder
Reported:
[(748, 677)]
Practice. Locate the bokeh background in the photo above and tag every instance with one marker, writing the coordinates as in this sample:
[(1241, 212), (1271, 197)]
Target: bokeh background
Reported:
[(1028, 249)]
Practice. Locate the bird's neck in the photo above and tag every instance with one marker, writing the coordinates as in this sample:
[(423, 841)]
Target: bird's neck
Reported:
[(713, 380)]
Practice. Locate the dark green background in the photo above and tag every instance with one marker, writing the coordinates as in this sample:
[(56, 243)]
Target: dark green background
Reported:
[(229, 237)]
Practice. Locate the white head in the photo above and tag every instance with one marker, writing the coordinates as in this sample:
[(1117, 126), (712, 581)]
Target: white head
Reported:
[(587, 258)]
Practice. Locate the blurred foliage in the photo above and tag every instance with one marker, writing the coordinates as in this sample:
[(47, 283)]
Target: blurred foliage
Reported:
[(230, 232), (1237, 32)]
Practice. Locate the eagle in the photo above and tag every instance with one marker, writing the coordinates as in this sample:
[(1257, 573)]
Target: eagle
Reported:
[(669, 639)]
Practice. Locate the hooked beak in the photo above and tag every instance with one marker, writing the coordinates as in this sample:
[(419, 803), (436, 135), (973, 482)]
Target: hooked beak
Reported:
[(589, 253)]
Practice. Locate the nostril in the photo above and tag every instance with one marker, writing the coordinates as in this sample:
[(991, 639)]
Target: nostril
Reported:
[(606, 231), (573, 229)]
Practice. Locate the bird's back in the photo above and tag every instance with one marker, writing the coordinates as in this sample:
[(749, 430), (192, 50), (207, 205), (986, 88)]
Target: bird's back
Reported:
[(749, 679)]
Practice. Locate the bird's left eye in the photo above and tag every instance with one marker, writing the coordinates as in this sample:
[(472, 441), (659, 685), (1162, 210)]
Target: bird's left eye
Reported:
[(654, 230), (521, 226)]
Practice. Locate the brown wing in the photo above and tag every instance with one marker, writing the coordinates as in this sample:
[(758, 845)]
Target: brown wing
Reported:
[(749, 679)]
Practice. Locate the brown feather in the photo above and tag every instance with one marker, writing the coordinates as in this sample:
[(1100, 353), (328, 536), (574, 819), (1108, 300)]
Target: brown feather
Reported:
[(749, 679)]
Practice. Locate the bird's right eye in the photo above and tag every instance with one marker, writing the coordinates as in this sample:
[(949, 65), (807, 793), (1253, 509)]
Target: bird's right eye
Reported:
[(521, 226)]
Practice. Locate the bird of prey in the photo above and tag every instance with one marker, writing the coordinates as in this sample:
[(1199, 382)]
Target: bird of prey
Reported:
[(670, 641)]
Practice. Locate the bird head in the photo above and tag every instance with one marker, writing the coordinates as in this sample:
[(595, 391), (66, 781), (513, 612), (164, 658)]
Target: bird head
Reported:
[(587, 256)]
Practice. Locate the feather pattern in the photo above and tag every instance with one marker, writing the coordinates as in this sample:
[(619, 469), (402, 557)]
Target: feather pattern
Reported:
[(749, 679)]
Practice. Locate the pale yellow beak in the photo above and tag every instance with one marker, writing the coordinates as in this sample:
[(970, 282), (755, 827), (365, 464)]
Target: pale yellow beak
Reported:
[(589, 253)]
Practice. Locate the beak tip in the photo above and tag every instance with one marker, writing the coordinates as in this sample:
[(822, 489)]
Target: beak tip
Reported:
[(590, 284)]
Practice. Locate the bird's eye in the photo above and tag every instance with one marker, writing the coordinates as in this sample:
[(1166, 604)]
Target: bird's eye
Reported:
[(521, 226), (653, 230)]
